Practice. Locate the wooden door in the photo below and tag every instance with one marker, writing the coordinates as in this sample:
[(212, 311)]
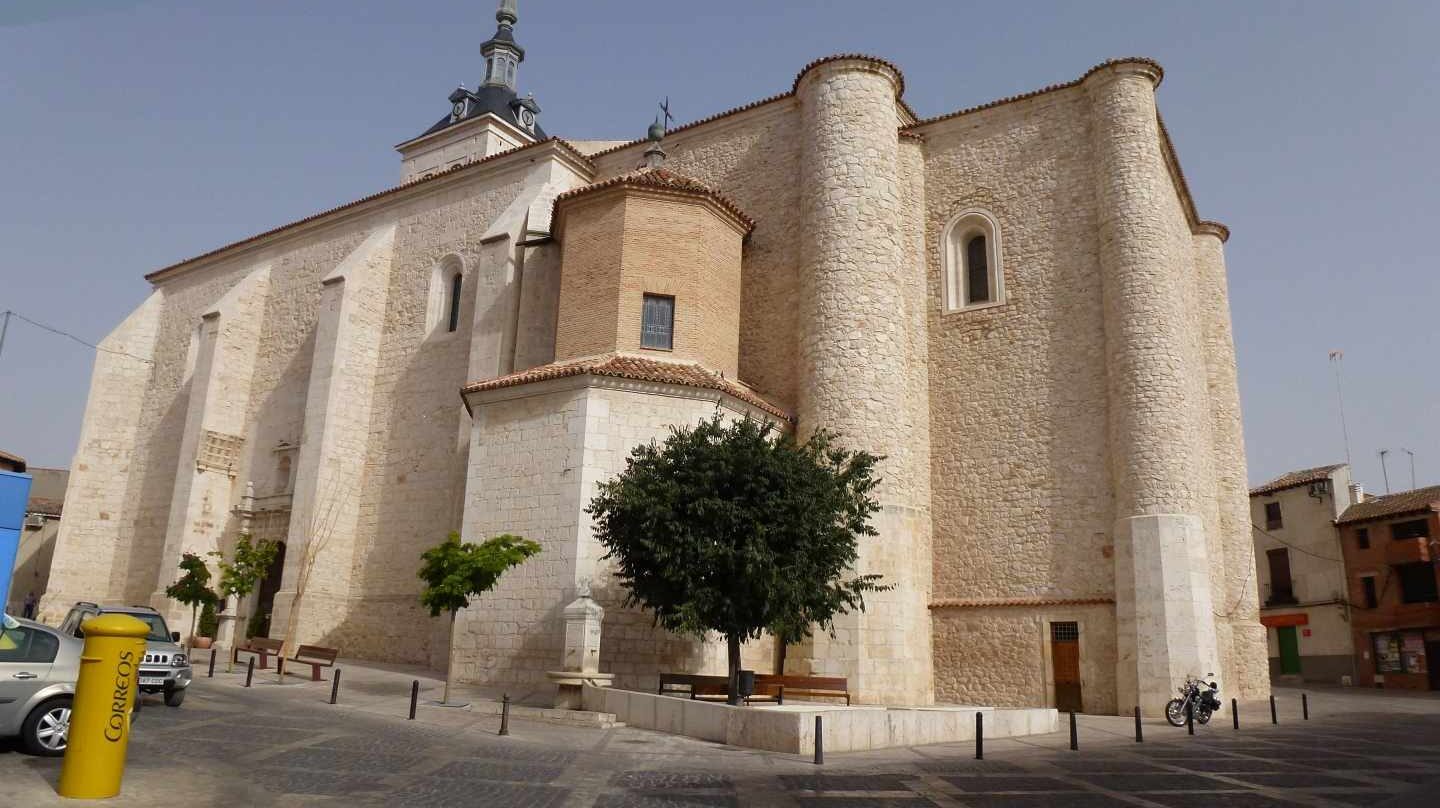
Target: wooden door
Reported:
[(1065, 662), (1432, 662)]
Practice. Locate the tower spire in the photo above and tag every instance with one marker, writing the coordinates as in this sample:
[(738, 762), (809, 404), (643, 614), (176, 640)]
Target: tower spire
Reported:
[(502, 55), (506, 15)]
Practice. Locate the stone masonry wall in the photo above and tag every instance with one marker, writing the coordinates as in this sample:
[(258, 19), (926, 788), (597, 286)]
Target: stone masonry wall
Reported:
[(1018, 403)]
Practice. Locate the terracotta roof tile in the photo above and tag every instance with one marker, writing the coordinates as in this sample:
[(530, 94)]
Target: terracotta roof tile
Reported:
[(990, 603), (637, 368), (661, 179), (1291, 479), (1416, 501), (8, 459), (839, 57), (48, 507)]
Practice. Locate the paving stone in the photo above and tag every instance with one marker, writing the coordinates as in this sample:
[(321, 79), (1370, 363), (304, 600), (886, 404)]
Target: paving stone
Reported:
[(1104, 765), (841, 782), (972, 785), (644, 799), (864, 802), (659, 780), (1233, 764), (340, 760), (1220, 799), (452, 793), (340, 784), (1366, 798), (501, 770), (969, 766), (1070, 800), (240, 734), (1151, 782)]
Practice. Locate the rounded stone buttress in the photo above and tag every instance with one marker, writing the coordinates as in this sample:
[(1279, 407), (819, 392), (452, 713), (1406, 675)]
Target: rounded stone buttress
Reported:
[(855, 347)]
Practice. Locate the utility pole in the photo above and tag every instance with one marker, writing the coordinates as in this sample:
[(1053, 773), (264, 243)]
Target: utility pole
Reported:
[(4, 326), (1412, 467), (1383, 471), (1336, 358)]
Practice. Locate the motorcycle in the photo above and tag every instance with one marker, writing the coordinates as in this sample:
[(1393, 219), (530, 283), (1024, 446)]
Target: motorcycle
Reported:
[(1201, 696)]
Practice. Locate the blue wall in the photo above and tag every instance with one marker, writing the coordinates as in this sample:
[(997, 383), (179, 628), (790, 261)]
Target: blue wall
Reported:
[(14, 494)]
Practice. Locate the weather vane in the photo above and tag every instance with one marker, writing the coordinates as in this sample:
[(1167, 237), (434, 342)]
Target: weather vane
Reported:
[(665, 108)]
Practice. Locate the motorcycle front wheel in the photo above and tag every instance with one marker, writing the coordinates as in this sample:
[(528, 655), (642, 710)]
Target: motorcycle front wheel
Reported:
[(1175, 712)]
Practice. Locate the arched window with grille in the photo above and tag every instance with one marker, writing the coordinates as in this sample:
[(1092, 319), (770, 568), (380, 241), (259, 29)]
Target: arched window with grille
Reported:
[(972, 273), (456, 282)]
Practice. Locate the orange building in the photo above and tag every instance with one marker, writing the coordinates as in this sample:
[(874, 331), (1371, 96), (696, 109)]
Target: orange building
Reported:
[(1390, 545)]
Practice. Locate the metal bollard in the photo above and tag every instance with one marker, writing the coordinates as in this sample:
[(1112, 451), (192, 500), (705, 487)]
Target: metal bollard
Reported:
[(1235, 712), (1139, 734), (1190, 717), (250, 671), (334, 685), (819, 741), (1074, 733), (505, 714), (1274, 719), (780, 695), (979, 736), (210, 671), (1304, 706), (414, 696)]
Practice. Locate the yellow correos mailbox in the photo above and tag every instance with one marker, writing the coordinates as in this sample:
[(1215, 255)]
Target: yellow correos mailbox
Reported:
[(104, 696)]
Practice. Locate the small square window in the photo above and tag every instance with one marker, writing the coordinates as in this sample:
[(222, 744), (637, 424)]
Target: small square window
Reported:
[(657, 323), (1272, 516)]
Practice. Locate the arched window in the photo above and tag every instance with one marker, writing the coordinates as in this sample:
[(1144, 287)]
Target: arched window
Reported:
[(455, 282), (972, 272)]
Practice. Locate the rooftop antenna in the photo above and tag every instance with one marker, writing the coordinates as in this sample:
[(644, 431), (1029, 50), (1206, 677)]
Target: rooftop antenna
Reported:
[(1383, 472), (1337, 359)]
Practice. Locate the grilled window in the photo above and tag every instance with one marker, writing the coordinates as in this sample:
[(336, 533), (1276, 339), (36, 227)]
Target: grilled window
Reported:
[(1417, 582), (657, 323), (1273, 520), (1064, 632), (1414, 529), (455, 283), (1367, 584)]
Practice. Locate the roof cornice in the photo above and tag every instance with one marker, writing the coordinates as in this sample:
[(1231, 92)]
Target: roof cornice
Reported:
[(551, 148)]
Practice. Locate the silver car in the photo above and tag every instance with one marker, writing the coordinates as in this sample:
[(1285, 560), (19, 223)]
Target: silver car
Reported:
[(38, 667), (165, 668)]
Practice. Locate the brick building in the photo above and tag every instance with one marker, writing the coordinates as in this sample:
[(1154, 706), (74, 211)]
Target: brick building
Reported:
[(1017, 304), (1390, 546)]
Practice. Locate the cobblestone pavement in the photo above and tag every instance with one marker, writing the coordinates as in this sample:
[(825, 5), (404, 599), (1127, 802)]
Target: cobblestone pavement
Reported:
[(284, 746)]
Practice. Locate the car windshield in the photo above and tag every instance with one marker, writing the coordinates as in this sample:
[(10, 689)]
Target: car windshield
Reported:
[(158, 631)]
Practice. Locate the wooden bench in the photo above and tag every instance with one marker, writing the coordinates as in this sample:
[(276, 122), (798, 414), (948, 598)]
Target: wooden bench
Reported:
[(262, 647), (706, 688), (316, 657), (778, 687)]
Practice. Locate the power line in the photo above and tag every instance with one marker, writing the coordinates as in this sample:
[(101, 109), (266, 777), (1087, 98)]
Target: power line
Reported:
[(1261, 530), (17, 315)]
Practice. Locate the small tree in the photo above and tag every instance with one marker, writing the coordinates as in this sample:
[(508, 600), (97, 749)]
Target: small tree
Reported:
[(733, 529), (193, 588), (209, 623), (454, 571), (247, 565)]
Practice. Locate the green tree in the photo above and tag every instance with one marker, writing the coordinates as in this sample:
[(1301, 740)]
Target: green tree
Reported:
[(192, 588), (247, 565), (735, 529), (209, 623), (453, 571)]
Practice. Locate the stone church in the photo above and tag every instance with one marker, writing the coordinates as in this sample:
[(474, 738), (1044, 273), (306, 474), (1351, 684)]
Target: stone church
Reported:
[(1017, 304)]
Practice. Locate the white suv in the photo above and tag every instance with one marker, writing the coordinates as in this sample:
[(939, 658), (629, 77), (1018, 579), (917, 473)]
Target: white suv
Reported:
[(165, 668)]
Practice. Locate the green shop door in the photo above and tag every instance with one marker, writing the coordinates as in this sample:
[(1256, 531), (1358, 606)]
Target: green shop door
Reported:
[(1289, 650)]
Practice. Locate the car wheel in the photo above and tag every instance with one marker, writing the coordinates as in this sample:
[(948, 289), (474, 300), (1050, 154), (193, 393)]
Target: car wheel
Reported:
[(174, 698), (46, 731)]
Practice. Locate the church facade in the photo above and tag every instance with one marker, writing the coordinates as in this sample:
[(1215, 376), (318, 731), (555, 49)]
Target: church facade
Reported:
[(1017, 304)]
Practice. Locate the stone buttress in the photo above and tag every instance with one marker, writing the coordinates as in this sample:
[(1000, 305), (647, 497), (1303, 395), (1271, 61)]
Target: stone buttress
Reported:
[(855, 346), (1159, 415)]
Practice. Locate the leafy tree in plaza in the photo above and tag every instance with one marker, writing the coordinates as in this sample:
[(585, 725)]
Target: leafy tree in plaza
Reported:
[(736, 529), (247, 565), (193, 588), (454, 571)]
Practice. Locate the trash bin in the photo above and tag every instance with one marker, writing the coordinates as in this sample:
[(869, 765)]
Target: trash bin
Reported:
[(747, 684)]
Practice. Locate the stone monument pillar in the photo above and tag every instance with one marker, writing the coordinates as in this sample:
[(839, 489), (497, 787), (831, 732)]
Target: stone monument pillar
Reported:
[(581, 662)]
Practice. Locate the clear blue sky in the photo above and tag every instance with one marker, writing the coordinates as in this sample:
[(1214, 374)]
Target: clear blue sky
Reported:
[(138, 133)]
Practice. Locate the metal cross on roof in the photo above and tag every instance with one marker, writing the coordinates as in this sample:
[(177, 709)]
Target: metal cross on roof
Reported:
[(665, 108)]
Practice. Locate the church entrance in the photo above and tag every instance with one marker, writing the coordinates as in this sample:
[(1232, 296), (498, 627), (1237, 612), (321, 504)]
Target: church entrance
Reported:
[(265, 599), (1065, 662)]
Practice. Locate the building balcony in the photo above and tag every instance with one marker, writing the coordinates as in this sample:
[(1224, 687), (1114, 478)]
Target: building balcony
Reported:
[(1407, 551)]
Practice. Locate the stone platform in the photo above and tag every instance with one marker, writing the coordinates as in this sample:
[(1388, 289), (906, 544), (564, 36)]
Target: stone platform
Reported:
[(791, 727)]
